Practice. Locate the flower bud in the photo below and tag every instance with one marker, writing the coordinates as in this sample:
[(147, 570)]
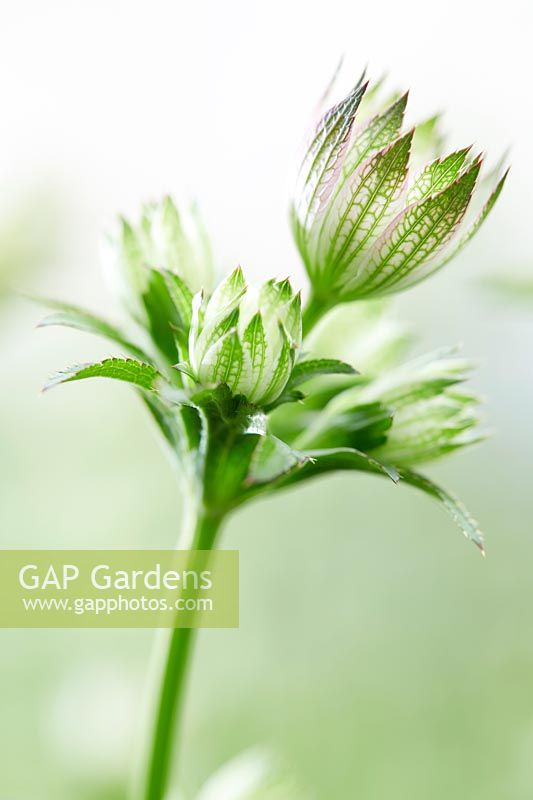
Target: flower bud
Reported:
[(166, 238), (246, 338), (410, 414), (428, 429), (366, 221)]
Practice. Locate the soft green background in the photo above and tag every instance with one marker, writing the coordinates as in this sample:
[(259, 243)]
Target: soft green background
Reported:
[(378, 653)]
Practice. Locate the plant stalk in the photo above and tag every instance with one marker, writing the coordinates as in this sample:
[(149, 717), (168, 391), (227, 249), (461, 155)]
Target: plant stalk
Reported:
[(313, 313), (202, 533)]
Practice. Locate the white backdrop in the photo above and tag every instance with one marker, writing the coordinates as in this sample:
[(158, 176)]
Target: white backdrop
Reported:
[(117, 102), (108, 103)]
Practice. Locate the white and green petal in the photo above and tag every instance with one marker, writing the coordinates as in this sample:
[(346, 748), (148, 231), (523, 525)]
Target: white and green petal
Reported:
[(227, 294), (359, 233), (224, 361), (381, 131), (472, 222), (282, 369), (417, 235), (166, 238), (255, 348), (437, 175), (360, 211), (323, 160), (246, 338), (430, 428)]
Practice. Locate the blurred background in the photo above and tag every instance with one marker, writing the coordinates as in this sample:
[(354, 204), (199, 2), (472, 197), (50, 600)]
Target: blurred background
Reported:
[(378, 654)]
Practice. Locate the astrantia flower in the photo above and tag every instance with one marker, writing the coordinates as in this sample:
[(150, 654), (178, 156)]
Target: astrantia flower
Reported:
[(364, 223), (246, 339), (412, 414), (214, 369), (164, 237), (427, 429)]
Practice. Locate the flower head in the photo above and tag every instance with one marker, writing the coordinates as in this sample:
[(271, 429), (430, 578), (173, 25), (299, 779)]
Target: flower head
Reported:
[(366, 219), (246, 338), (413, 413), (375, 210), (165, 237), (427, 429)]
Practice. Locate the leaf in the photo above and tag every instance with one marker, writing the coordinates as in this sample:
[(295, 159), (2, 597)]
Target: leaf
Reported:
[(453, 506), (377, 134), (417, 234), (80, 319), (363, 427), (305, 370), (335, 459), (138, 373), (419, 378), (185, 369), (166, 421), (323, 160), (286, 396), (272, 458), (161, 314), (193, 427), (358, 212), (181, 296)]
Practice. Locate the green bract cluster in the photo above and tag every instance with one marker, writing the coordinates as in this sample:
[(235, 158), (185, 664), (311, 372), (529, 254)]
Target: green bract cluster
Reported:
[(363, 224), (248, 405), (246, 339), (411, 414), (164, 235)]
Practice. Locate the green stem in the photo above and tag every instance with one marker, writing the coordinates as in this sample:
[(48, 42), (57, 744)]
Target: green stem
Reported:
[(313, 313), (203, 531)]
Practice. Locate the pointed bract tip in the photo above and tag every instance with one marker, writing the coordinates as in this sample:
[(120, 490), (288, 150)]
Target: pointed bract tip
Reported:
[(408, 135), (362, 76), (168, 203), (237, 275)]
